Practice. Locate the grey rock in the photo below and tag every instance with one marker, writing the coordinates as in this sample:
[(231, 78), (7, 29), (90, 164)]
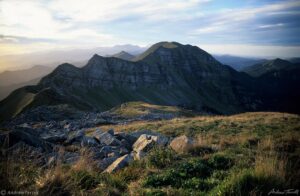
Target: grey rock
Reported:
[(111, 132), (147, 142), (107, 139), (104, 163), (181, 144), (130, 139), (119, 163), (74, 137), (88, 142), (56, 138)]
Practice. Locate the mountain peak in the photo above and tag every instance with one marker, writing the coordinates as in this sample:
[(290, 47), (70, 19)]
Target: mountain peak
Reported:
[(278, 61), (162, 52), (124, 55), (166, 44)]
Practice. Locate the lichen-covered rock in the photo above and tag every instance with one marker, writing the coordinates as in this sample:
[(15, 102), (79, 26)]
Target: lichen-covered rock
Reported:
[(181, 144), (119, 163)]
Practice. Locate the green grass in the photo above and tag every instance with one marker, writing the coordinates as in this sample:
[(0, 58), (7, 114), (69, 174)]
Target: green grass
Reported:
[(136, 109)]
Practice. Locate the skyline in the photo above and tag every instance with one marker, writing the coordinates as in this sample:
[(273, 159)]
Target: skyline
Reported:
[(246, 28)]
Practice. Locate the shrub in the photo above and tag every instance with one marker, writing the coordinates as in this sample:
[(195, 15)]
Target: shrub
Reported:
[(247, 182), (197, 184), (112, 181), (134, 171), (160, 158), (84, 179), (198, 150), (176, 177), (220, 162)]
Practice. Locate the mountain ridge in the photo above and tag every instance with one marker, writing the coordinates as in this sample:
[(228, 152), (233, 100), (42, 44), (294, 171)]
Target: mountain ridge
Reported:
[(168, 73), (270, 65)]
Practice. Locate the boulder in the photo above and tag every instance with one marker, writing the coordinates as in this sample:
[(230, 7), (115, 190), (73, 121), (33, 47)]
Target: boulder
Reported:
[(111, 132), (107, 139), (181, 144), (147, 142), (119, 163), (75, 137), (126, 139), (104, 163), (104, 151), (87, 141), (55, 138)]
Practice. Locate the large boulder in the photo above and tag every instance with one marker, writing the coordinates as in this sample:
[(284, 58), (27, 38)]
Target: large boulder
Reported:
[(108, 139), (146, 142), (126, 139), (119, 163), (181, 144), (87, 141)]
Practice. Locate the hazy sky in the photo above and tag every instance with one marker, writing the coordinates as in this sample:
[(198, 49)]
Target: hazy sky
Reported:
[(241, 27)]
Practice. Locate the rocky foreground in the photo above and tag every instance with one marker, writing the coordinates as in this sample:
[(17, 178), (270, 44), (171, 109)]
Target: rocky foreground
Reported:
[(142, 149), (42, 136)]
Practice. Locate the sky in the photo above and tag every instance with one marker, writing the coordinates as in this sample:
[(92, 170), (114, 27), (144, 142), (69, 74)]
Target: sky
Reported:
[(237, 27)]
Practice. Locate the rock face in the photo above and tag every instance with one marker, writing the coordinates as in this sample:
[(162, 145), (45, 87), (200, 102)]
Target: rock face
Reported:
[(119, 163), (181, 144)]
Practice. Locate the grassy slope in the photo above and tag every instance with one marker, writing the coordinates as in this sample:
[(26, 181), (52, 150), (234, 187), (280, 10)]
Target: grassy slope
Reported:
[(15, 103), (136, 109), (256, 123), (245, 154)]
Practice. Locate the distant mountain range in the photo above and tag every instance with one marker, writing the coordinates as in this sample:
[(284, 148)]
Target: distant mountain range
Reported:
[(268, 66), (238, 63), (168, 73), (78, 57), (11, 80)]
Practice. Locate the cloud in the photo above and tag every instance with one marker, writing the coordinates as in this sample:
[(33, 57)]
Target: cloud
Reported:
[(263, 51), (104, 11), (91, 23), (230, 19), (33, 20), (268, 26)]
